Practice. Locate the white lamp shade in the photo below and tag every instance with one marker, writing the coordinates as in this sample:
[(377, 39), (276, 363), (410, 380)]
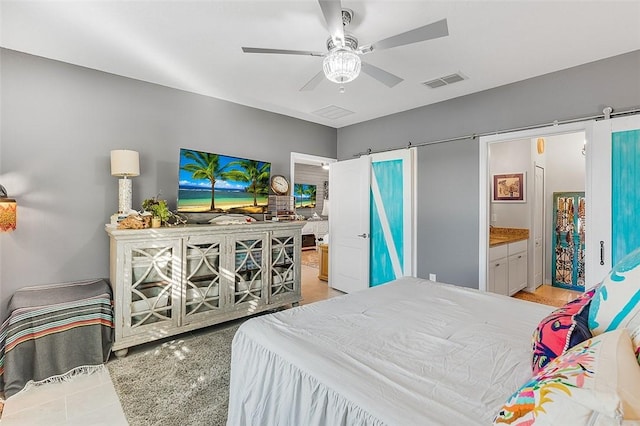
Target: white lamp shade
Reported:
[(125, 163), (325, 208)]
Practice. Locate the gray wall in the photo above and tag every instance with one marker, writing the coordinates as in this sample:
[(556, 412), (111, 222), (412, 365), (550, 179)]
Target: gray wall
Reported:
[(448, 173), (58, 124), (510, 157)]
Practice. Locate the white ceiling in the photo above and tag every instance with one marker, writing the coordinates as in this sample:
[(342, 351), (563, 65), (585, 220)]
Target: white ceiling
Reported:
[(196, 46)]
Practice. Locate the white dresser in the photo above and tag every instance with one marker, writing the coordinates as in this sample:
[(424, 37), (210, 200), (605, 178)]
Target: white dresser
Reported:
[(171, 280)]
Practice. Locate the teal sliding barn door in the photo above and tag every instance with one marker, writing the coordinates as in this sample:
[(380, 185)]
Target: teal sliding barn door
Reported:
[(613, 192), (625, 193), (391, 216)]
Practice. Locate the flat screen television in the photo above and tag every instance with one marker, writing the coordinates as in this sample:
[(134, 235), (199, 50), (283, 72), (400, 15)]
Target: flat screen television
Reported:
[(222, 184), (305, 195)]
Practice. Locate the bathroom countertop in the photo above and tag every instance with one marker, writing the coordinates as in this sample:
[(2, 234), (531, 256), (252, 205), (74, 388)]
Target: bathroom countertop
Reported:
[(498, 236)]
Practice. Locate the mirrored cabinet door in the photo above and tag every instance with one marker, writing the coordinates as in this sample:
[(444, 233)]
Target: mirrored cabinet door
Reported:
[(284, 268), (152, 285), (204, 292), (249, 278)]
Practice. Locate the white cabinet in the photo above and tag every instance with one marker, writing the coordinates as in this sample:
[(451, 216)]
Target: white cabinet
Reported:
[(498, 270), (517, 266), (168, 281), (508, 268)]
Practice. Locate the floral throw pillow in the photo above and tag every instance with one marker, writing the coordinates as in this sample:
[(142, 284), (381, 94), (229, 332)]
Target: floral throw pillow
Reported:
[(560, 330), (595, 382), (616, 304)]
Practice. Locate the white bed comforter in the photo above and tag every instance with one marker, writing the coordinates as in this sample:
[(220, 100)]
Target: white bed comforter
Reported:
[(412, 352)]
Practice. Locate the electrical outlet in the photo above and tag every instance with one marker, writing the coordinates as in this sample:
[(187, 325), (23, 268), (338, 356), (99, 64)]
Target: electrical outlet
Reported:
[(494, 217), (432, 277)]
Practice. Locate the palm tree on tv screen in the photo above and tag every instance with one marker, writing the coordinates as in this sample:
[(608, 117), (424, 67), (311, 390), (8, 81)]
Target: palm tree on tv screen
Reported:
[(256, 173), (298, 190), (205, 166), (310, 192)]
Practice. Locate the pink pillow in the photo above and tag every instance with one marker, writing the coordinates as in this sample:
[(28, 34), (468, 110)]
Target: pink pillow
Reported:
[(560, 330)]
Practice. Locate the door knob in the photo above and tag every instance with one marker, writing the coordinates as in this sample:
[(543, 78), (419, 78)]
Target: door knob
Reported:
[(365, 235)]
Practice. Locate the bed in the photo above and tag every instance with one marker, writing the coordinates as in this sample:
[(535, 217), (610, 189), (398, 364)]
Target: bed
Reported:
[(409, 352)]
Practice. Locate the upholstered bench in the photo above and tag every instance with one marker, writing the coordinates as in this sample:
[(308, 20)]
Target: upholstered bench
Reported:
[(54, 331)]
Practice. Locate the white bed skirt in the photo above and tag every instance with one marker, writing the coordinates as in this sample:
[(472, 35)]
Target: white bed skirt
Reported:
[(409, 352), (285, 387)]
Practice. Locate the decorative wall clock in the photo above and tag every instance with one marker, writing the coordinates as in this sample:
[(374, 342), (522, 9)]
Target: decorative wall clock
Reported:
[(280, 185)]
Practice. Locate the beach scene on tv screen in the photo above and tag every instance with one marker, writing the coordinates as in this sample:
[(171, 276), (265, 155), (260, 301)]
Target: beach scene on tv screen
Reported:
[(219, 183), (305, 195)]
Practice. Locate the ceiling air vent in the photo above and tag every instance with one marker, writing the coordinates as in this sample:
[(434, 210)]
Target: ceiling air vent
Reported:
[(443, 81), (333, 112)]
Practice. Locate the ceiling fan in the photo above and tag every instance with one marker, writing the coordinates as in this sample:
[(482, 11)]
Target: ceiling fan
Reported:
[(342, 62)]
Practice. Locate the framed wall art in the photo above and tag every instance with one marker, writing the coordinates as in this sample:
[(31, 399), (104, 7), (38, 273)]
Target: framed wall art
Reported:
[(509, 188)]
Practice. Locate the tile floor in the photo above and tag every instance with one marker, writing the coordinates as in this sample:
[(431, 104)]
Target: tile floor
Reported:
[(91, 399), (547, 294), (557, 293), (314, 289), (84, 400)]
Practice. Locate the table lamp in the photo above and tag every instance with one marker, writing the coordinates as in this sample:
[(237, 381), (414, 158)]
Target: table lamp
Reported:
[(124, 163), (8, 215)]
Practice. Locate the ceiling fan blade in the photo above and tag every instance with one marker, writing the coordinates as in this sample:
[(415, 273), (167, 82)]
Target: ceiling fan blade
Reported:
[(427, 32), (281, 51), (381, 75), (332, 11), (313, 83)]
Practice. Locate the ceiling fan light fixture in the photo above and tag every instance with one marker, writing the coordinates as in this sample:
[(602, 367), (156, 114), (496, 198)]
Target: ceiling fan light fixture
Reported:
[(341, 66)]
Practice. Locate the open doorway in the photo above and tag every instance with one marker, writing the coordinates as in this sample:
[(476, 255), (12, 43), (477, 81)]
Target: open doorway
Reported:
[(312, 172), (552, 162)]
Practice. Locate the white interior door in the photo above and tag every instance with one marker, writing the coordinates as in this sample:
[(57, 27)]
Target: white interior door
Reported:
[(538, 228), (599, 158), (349, 183)]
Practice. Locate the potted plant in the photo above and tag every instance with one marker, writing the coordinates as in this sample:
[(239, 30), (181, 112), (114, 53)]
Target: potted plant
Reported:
[(159, 211)]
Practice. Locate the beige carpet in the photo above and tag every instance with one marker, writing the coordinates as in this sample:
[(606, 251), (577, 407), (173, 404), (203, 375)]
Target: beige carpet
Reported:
[(181, 381)]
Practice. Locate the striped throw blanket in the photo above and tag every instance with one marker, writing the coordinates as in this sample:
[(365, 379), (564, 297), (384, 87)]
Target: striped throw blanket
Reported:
[(55, 331)]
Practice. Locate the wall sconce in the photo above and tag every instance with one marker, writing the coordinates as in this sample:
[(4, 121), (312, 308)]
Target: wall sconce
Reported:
[(124, 163), (8, 215)]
